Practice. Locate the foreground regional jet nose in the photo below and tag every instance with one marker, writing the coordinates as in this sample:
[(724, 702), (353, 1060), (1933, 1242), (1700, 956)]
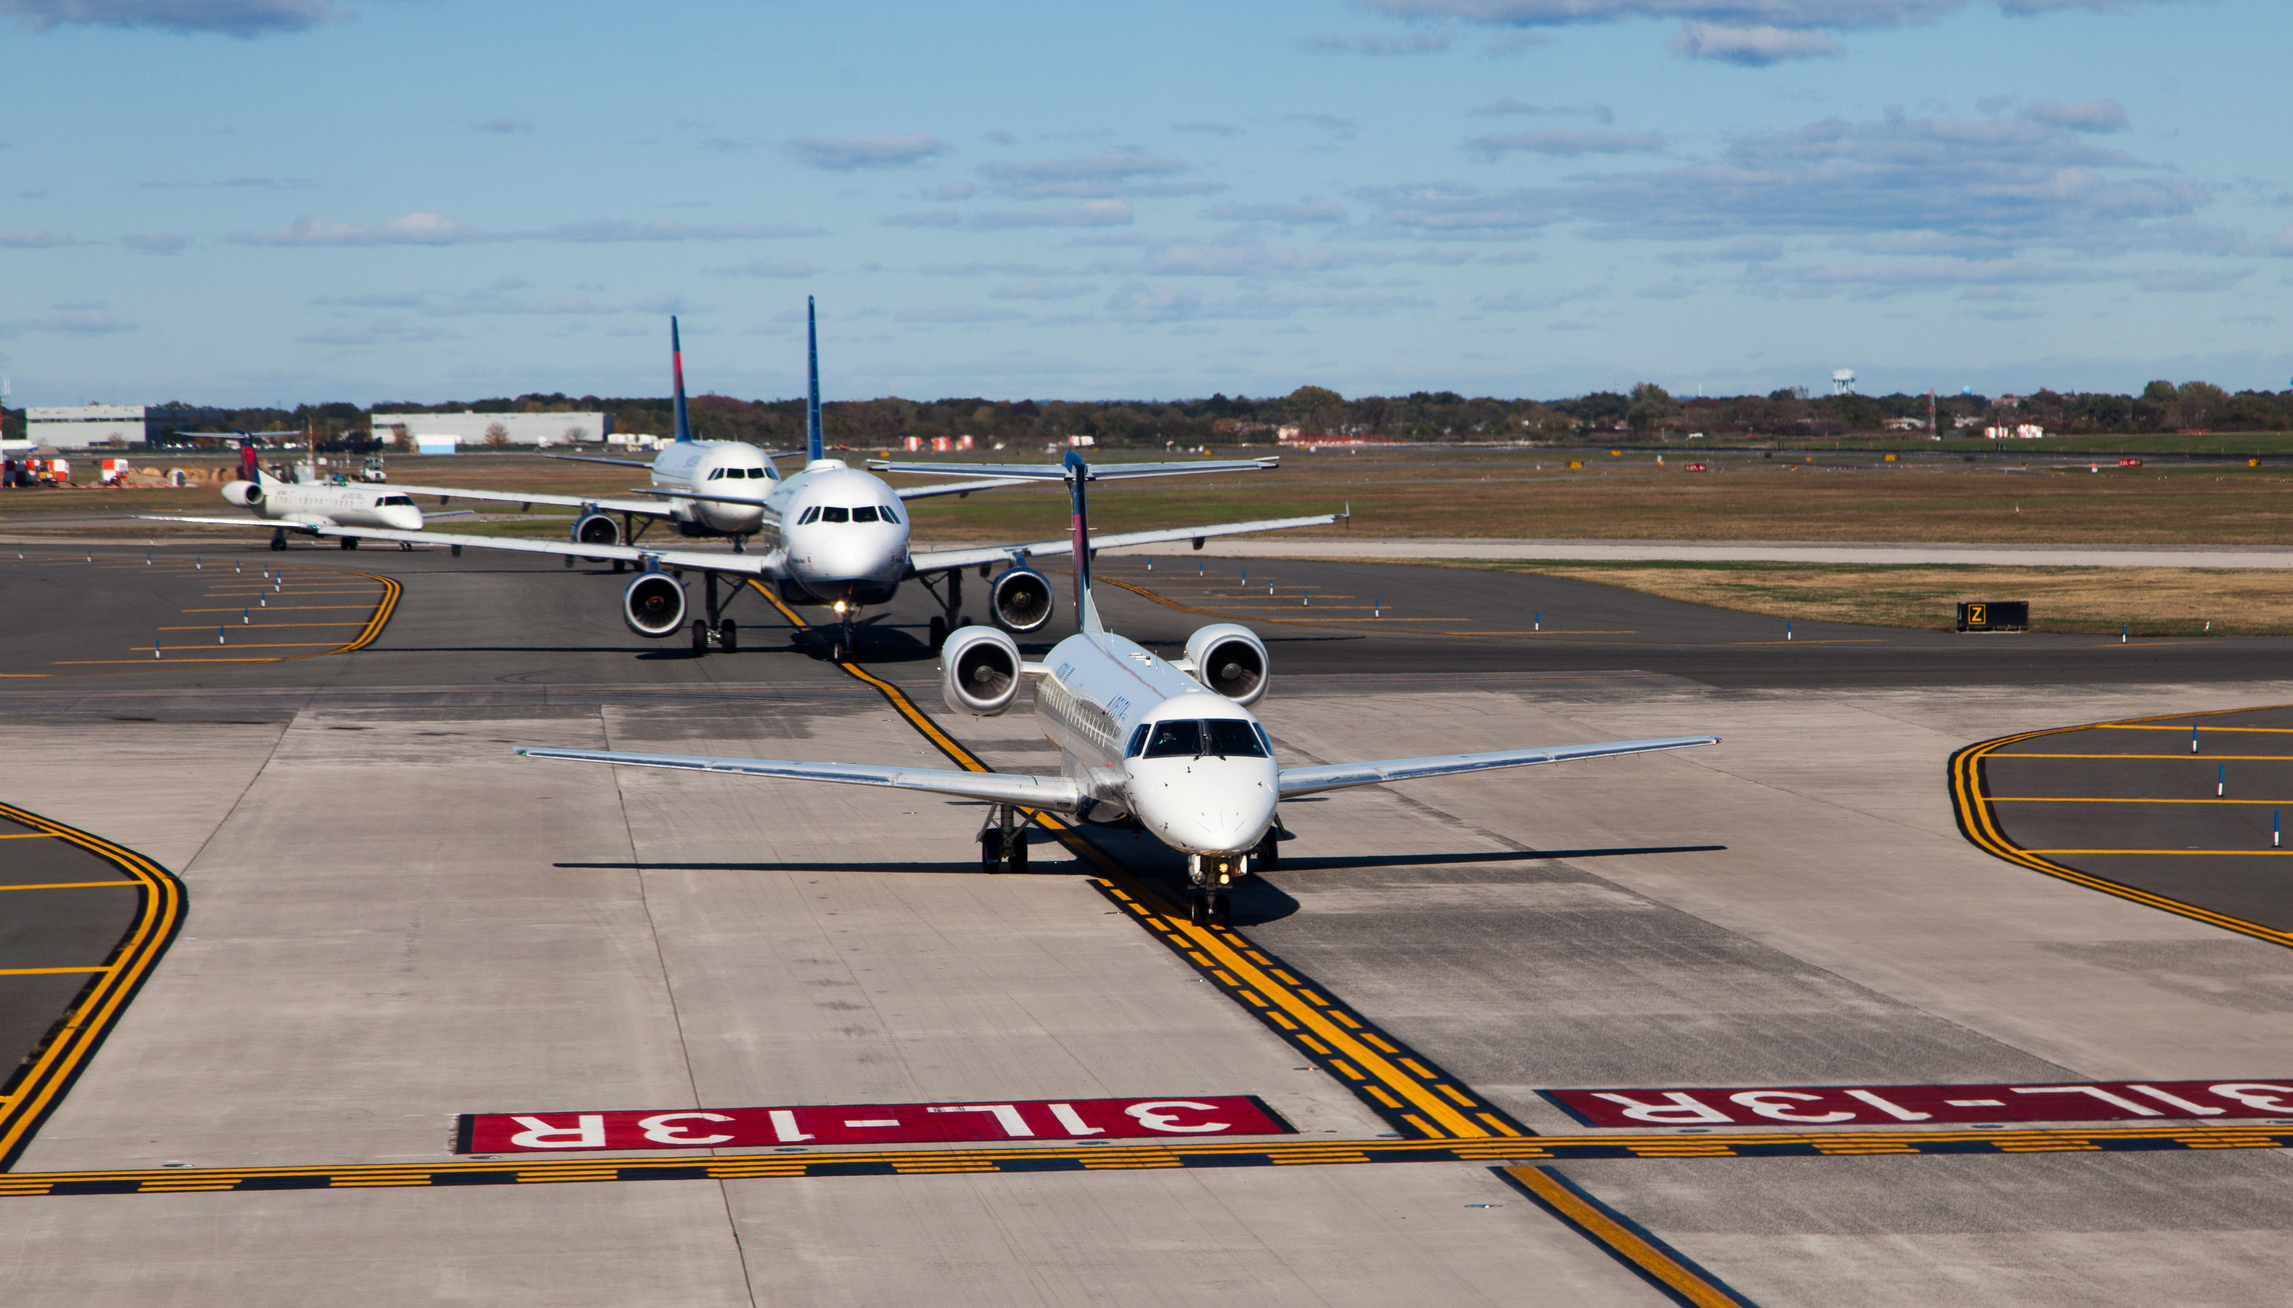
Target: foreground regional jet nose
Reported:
[(1205, 805)]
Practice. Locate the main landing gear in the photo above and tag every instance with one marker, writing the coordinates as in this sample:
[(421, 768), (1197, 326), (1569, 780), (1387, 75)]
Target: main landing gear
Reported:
[(715, 631), (950, 596), (279, 539), (1003, 839)]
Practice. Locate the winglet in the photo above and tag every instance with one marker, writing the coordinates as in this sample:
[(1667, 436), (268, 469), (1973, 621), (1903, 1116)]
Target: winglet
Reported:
[(812, 445), (677, 367), (1086, 612)]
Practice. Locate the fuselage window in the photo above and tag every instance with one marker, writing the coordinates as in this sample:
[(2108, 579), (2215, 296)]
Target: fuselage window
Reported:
[(395, 499), (1172, 739), (715, 473), (1263, 738), (810, 515), (865, 513), (835, 515), (886, 514), (1138, 742), (756, 472)]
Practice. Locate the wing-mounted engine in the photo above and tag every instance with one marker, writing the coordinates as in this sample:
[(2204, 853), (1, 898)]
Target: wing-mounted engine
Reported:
[(1021, 599), (594, 528), (1229, 659), (654, 605), (245, 494), (979, 670)]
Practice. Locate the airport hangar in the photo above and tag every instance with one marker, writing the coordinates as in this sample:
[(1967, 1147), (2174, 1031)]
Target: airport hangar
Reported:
[(340, 915)]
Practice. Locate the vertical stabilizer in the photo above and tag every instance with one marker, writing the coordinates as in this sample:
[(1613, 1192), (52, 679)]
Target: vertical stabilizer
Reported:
[(677, 365), (812, 446), (1086, 612)]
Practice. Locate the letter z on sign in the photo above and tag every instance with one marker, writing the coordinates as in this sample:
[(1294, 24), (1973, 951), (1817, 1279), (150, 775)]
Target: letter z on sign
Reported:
[(882, 1124)]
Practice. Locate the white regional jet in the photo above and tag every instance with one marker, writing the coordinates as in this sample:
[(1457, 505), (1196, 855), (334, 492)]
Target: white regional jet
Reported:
[(307, 506), (1172, 747), (833, 535)]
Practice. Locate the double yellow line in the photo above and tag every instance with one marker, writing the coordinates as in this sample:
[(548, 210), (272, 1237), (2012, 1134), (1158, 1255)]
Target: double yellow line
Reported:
[(1970, 797), (159, 915)]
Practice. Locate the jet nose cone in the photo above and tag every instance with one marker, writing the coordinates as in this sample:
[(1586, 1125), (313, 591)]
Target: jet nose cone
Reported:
[(1206, 806)]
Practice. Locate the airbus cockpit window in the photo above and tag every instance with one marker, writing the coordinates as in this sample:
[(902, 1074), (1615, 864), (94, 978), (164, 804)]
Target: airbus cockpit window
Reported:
[(865, 513), (835, 514)]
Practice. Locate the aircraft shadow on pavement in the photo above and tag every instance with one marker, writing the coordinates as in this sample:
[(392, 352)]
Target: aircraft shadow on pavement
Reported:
[(1297, 864)]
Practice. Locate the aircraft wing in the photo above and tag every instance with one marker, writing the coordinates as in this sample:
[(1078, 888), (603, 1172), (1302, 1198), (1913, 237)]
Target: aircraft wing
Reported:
[(1339, 776), (650, 508), (222, 522), (963, 487), (1059, 794), (1058, 471), (924, 561), (747, 565), (591, 458)]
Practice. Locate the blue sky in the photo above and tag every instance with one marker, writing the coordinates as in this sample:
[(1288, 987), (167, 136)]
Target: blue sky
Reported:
[(255, 201)]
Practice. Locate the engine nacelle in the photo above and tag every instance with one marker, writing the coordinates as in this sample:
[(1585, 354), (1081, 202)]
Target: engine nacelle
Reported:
[(245, 494), (1230, 660), (1021, 599), (979, 671), (654, 605), (596, 529)]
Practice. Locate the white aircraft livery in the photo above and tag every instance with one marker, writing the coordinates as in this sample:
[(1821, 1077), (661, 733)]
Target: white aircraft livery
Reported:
[(1170, 746), (832, 534), (305, 506)]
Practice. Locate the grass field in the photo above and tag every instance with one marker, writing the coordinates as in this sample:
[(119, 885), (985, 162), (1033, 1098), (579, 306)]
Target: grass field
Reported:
[(2149, 601), (1510, 494)]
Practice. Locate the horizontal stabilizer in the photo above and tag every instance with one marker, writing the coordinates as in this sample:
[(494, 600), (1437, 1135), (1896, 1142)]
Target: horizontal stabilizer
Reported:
[(1339, 776), (1058, 794)]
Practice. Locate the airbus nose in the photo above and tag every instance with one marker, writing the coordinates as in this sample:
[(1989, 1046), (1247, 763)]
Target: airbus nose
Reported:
[(836, 553)]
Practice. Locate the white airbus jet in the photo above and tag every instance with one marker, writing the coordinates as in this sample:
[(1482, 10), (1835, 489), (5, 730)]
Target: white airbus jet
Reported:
[(833, 535), (1170, 746)]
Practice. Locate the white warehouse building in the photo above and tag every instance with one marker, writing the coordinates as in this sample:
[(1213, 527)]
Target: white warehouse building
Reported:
[(78, 426), (444, 429)]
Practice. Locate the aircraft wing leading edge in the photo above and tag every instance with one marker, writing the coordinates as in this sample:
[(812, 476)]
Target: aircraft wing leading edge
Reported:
[(923, 561), (1339, 776), (649, 507), (1059, 794), (1058, 471)]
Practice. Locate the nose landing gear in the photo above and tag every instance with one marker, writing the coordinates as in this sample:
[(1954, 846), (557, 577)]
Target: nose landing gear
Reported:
[(1212, 875)]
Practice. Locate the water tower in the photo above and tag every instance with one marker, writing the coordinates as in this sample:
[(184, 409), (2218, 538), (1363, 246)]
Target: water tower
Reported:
[(1843, 381)]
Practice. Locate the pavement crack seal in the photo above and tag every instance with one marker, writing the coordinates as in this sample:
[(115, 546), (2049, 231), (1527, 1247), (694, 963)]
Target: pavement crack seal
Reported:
[(39, 1085), (1406, 1089), (1972, 803)]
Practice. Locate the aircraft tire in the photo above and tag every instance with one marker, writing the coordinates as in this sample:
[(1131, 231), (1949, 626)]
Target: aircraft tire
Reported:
[(278, 542), (618, 564), (1270, 851), (1221, 912), (990, 851), (728, 636), (700, 637), (1198, 910), (457, 551), (1019, 850)]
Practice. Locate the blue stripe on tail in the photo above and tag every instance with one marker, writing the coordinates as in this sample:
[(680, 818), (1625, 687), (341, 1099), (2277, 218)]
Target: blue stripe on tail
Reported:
[(812, 445)]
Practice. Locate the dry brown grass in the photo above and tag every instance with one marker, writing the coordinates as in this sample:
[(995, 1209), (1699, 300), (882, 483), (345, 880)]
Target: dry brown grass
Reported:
[(2151, 601)]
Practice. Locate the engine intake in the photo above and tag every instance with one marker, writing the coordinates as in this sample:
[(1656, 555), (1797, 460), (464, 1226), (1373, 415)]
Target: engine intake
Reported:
[(979, 671), (596, 529), (1229, 659), (245, 494), (653, 605), (1021, 599)]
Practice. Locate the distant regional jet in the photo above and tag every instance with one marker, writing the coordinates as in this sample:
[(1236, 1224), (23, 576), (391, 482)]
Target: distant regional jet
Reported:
[(834, 535), (302, 506), (1172, 747)]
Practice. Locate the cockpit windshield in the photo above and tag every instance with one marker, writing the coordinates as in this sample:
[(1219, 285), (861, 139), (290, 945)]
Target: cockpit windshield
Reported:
[(387, 500), (1221, 736), (835, 514)]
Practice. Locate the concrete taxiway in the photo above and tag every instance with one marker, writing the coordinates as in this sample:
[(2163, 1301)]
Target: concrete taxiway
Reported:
[(393, 920)]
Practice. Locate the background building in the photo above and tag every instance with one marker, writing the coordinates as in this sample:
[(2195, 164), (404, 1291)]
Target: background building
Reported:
[(78, 426)]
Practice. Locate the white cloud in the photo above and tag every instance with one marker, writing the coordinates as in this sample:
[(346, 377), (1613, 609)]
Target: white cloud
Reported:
[(32, 238), (1419, 43), (1303, 212), (851, 153), (1564, 143), (1209, 129), (954, 191), (232, 17), (381, 331), (1042, 290), (925, 218), (766, 268), (69, 320), (436, 229), (2085, 116), (502, 126), (1753, 47), (1090, 213), (1105, 176), (1508, 105)]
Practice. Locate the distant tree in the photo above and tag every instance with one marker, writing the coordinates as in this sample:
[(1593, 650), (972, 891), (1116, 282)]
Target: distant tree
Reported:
[(1651, 408), (497, 434)]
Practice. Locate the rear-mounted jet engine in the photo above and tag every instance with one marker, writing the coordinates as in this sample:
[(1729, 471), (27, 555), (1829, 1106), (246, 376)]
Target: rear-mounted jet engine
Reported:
[(1021, 599), (979, 671), (1228, 659)]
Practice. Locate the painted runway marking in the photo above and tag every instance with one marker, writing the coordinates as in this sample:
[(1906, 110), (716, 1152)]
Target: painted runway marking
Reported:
[(1885, 1105), (1638, 1248), (806, 1162), (1165, 1118)]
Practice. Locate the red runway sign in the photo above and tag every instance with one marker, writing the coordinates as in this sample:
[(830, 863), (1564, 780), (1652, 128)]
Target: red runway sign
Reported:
[(709, 1128), (1892, 1105)]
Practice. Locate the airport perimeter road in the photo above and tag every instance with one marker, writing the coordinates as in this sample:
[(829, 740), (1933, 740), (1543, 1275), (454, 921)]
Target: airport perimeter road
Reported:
[(393, 920)]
